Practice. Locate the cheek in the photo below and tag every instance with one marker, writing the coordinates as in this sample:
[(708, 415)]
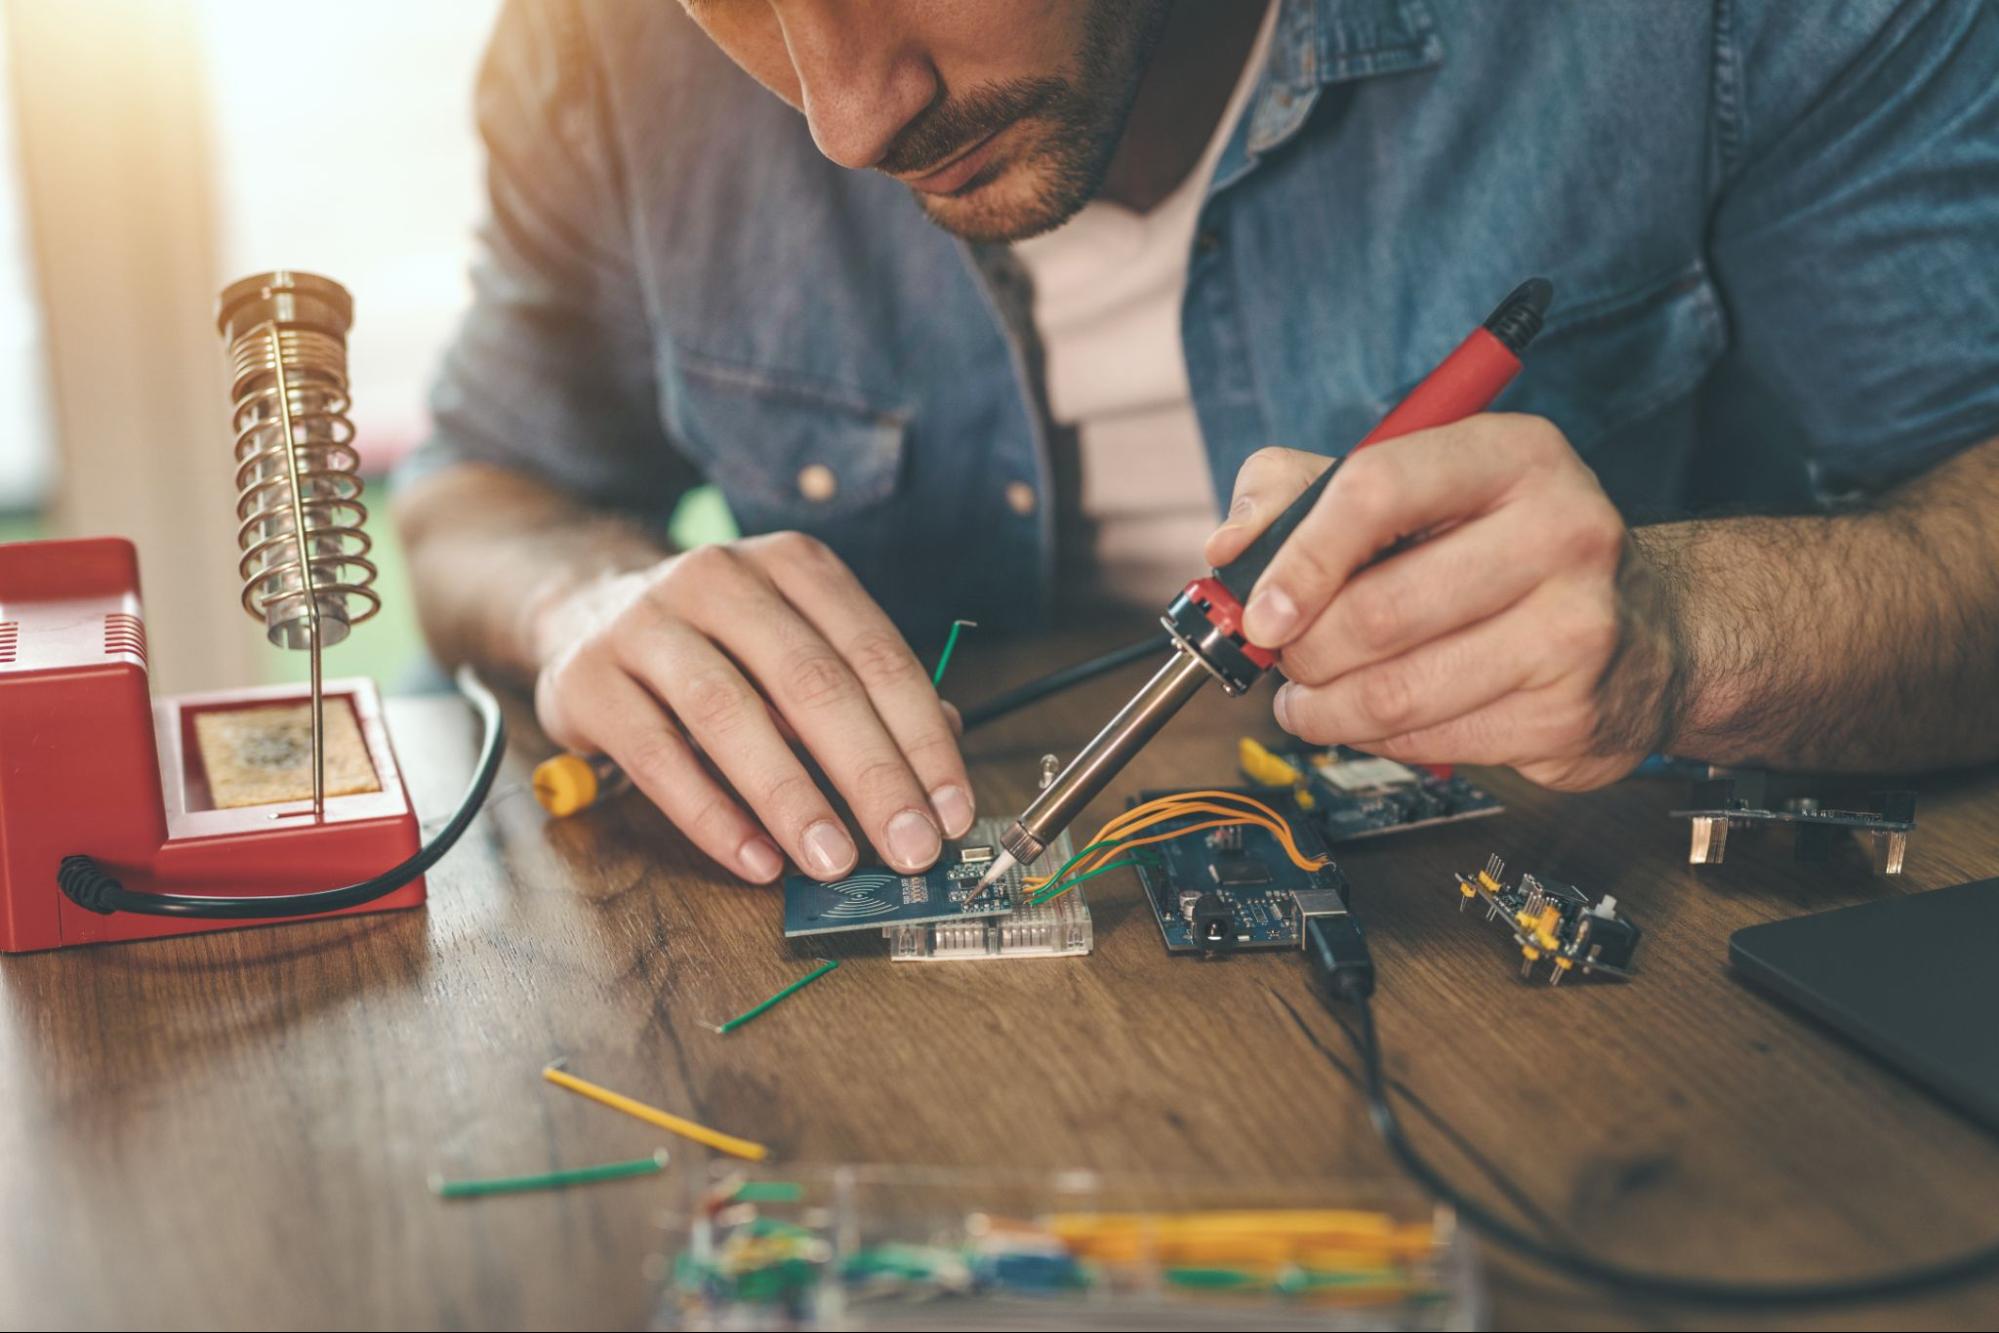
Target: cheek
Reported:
[(749, 33)]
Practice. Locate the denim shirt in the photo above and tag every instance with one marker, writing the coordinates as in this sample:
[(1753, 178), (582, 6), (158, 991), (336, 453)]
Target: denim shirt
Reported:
[(1773, 230)]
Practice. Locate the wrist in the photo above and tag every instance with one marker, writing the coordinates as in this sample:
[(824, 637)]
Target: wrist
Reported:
[(564, 608), (1654, 658), (576, 595)]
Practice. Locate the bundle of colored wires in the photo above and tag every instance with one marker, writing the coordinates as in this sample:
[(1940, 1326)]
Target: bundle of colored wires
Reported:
[(1112, 847)]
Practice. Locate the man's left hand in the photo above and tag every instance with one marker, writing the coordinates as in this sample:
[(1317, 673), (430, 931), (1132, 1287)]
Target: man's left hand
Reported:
[(1524, 628)]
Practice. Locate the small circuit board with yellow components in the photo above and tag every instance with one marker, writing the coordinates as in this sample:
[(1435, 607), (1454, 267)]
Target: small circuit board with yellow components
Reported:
[(1347, 794), (1555, 922)]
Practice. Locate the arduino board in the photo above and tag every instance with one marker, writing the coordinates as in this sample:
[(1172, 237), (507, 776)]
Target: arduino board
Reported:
[(1233, 888), (1348, 795)]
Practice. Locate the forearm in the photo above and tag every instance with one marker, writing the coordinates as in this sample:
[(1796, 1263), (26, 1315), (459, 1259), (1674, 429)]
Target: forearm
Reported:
[(492, 551), (1860, 641)]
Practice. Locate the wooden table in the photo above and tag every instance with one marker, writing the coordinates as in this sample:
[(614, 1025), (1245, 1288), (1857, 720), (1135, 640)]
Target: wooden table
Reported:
[(235, 1129)]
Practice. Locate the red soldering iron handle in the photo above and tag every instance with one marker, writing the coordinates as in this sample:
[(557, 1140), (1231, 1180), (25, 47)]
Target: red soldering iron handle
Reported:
[(1463, 384)]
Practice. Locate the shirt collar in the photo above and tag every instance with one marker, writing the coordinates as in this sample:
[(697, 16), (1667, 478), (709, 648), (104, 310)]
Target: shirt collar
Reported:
[(1318, 42)]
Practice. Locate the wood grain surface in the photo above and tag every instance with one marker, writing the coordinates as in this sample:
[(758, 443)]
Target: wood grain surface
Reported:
[(235, 1129)]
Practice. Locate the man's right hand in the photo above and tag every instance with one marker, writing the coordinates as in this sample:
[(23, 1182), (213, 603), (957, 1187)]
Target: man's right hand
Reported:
[(703, 677)]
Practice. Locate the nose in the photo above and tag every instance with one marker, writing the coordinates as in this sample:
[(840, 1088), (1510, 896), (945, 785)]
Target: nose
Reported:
[(860, 77)]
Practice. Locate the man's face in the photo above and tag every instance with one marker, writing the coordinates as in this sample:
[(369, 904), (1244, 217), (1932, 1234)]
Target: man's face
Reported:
[(1002, 117)]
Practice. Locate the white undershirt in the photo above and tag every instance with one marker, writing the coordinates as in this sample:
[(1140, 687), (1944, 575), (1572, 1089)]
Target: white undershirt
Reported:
[(1108, 286)]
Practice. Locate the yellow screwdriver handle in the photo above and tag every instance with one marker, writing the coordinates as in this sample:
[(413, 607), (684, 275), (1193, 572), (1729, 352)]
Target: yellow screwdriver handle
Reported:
[(568, 783)]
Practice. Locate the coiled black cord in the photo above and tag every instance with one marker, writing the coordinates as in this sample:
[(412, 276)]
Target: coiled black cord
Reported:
[(93, 888)]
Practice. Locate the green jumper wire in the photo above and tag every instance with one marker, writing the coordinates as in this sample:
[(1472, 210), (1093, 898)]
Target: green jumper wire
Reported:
[(950, 645), (784, 994), (550, 1180)]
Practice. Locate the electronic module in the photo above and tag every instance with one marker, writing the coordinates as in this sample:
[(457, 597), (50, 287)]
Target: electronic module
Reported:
[(1348, 794), (1234, 888), (1714, 808), (940, 915), (1555, 921)]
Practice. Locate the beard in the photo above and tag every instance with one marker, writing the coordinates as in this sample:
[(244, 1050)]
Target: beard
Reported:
[(1061, 133)]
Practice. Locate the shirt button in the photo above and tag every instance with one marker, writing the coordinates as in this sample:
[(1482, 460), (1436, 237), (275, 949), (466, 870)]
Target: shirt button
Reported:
[(1020, 498), (817, 483), (1209, 241)]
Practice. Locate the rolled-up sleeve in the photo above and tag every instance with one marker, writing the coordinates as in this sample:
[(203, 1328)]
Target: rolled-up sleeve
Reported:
[(1856, 237), (552, 370)]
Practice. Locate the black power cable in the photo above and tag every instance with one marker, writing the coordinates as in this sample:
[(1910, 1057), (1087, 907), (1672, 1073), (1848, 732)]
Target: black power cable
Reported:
[(92, 887), (1348, 981), (1067, 678)]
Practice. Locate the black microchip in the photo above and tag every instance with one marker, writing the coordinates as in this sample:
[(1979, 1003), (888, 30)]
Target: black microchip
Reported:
[(1237, 871)]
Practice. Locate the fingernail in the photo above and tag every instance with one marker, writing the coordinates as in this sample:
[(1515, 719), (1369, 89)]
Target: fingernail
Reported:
[(828, 849), (760, 860), (1280, 706), (1269, 616), (912, 840), (954, 808)]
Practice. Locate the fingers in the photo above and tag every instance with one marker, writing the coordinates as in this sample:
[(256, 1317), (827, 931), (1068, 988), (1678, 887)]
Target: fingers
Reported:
[(922, 726), (1508, 731), (1423, 481), (819, 693), (1432, 684), (726, 717), (1456, 578), (610, 713), (1268, 480)]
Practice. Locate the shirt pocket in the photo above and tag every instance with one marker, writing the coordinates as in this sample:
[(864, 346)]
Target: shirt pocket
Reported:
[(788, 453), (1602, 365)]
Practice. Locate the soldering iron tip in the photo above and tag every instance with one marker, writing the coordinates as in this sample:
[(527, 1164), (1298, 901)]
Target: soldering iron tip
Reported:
[(1001, 864)]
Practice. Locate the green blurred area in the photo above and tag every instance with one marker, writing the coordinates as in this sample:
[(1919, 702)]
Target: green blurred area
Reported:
[(389, 649), (22, 528)]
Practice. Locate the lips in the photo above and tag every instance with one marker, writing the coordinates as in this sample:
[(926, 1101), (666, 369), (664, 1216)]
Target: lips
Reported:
[(958, 172)]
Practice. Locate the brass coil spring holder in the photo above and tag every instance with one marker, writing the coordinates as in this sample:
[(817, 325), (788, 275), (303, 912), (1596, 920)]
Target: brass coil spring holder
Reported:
[(305, 572)]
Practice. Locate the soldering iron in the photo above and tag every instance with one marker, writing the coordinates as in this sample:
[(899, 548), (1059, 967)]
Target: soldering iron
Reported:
[(1205, 620)]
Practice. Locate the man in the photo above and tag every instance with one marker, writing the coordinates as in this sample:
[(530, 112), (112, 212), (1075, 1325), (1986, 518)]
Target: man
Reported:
[(968, 304)]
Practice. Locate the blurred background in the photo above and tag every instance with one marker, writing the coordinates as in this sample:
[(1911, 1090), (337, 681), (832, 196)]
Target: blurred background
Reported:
[(154, 150), (151, 151)]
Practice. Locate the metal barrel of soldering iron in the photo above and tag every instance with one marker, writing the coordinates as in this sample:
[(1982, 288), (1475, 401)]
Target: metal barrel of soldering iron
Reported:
[(1205, 620)]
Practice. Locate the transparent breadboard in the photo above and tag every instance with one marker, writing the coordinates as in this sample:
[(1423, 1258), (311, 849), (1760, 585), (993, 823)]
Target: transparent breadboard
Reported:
[(1059, 928)]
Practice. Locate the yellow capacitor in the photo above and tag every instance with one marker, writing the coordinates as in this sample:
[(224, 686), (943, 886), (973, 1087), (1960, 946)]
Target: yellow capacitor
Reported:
[(567, 783), (1262, 766), (1266, 769)]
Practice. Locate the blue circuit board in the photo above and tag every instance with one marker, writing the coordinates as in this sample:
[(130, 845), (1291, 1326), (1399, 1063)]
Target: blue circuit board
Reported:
[(874, 896), (1232, 888), (1351, 795)]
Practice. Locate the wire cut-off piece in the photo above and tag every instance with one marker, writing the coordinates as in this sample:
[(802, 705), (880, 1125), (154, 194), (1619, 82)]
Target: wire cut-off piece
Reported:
[(827, 966), (549, 1180), (652, 1115), (950, 646)]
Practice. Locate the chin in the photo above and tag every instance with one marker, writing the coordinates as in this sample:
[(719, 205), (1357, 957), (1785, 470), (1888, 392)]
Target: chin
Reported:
[(1024, 199)]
